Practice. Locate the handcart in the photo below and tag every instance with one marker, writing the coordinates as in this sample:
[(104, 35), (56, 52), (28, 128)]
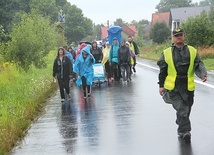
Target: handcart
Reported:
[(99, 74)]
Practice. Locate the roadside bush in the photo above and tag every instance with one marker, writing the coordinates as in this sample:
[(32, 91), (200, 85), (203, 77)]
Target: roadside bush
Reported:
[(199, 30), (160, 32), (32, 39)]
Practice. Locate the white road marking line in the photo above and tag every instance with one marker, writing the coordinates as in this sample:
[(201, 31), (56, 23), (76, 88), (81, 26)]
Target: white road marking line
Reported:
[(197, 81)]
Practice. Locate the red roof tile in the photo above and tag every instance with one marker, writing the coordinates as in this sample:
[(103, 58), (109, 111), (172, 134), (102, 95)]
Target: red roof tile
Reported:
[(104, 32), (129, 30), (159, 17)]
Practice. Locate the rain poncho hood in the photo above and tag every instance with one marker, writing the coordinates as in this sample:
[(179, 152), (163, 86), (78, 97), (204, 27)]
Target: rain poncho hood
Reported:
[(79, 50), (84, 66)]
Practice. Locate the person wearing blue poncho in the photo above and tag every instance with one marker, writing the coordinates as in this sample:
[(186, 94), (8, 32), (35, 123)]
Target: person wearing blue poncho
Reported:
[(84, 70), (113, 59)]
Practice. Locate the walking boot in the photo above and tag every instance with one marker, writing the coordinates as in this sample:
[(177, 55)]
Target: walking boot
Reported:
[(187, 137)]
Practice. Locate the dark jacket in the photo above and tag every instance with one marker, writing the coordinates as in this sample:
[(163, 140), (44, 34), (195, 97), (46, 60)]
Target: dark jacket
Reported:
[(97, 53), (136, 49), (62, 68), (181, 58), (124, 55)]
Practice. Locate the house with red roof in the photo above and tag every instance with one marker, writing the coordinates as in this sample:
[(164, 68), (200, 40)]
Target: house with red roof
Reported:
[(128, 30), (161, 17)]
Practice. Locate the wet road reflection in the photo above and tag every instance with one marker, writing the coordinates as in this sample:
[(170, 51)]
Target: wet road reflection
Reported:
[(120, 119)]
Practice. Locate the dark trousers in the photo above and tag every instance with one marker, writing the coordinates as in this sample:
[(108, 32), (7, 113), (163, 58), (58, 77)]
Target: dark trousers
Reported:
[(125, 71), (85, 86), (63, 84), (116, 71), (109, 70), (183, 122), (135, 62)]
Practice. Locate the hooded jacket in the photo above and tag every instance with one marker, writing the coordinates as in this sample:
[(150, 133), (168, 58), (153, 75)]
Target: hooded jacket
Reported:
[(124, 55), (62, 68), (84, 66), (96, 52), (113, 54), (79, 50), (105, 54)]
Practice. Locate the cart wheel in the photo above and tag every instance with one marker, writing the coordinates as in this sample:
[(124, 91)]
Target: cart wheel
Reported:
[(99, 82)]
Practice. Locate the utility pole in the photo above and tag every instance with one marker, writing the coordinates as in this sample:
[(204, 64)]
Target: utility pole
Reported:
[(61, 21)]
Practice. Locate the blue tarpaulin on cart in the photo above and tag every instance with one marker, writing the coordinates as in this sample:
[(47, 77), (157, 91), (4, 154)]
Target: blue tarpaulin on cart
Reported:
[(114, 31)]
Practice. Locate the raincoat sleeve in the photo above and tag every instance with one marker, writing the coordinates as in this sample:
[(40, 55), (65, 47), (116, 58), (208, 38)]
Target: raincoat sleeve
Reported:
[(129, 55), (54, 67), (92, 59), (110, 54), (136, 49), (76, 66), (163, 70), (70, 64), (199, 67), (101, 54)]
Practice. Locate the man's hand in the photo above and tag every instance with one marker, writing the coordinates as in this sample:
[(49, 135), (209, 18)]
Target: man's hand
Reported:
[(204, 79), (91, 56), (54, 80), (161, 90)]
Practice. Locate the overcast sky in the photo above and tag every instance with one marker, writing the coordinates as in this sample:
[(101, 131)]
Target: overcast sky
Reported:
[(102, 10)]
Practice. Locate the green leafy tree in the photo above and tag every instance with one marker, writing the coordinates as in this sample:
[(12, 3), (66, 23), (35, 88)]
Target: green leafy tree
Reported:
[(97, 32), (46, 8), (5, 15), (199, 30), (140, 26), (166, 5), (77, 26), (32, 39), (61, 3), (119, 22), (206, 2), (23, 5), (160, 32)]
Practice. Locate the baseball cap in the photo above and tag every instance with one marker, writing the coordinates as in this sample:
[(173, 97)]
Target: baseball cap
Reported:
[(177, 31)]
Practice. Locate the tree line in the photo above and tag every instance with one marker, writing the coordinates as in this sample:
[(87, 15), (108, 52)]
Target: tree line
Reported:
[(30, 28)]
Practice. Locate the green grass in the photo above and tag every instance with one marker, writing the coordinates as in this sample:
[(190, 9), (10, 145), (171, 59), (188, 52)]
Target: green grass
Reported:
[(22, 97), (209, 64), (153, 52)]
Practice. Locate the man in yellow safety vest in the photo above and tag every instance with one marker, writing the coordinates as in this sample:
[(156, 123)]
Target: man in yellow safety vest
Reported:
[(178, 64)]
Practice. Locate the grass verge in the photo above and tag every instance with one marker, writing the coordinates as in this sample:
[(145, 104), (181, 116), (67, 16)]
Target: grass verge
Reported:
[(154, 51), (23, 96)]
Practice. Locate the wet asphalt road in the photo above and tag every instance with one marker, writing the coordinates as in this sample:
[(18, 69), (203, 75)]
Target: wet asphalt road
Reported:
[(121, 119)]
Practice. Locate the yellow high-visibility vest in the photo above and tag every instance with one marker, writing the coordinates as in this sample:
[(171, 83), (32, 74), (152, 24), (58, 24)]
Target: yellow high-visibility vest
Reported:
[(169, 83)]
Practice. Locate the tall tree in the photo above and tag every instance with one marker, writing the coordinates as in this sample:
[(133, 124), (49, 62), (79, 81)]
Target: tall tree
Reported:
[(119, 22), (77, 26), (160, 32), (46, 8), (206, 2), (203, 24), (166, 5), (140, 26), (7, 11), (32, 39)]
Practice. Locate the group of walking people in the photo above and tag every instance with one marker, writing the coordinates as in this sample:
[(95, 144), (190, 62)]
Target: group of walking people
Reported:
[(118, 61), (64, 69), (177, 64)]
